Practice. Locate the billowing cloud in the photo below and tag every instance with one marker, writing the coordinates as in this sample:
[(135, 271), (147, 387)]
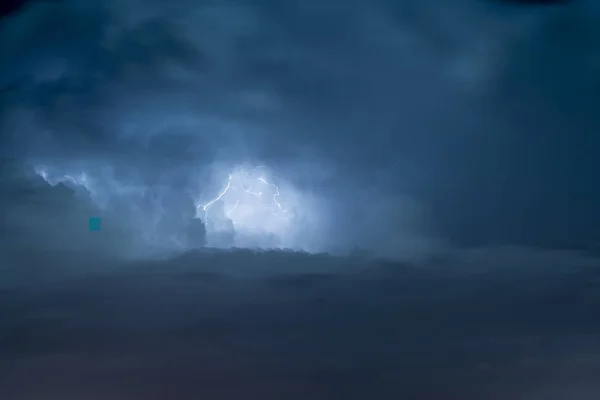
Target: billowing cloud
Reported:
[(413, 122)]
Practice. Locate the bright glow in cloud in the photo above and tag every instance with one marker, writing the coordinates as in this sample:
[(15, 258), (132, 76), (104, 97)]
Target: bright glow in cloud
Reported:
[(251, 210), (248, 207), (78, 180)]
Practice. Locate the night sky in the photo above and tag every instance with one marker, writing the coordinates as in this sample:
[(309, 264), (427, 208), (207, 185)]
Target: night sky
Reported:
[(436, 138)]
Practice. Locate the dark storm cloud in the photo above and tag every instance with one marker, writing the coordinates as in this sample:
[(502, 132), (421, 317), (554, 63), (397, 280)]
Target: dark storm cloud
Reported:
[(451, 106), (221, 325), (532, 174), (470, 119)]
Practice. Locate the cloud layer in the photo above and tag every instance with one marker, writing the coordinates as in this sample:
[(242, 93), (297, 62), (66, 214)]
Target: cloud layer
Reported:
[(422, 122)]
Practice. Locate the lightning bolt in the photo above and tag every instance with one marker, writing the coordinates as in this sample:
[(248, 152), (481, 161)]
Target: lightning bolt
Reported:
[(232, 209), (206, 206), (276, 195), (246, 189)]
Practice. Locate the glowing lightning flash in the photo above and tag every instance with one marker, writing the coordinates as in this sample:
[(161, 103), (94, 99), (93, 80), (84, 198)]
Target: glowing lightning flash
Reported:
[(81, 180), (232, 209), (245, 197), (276, 195), (206, 206)]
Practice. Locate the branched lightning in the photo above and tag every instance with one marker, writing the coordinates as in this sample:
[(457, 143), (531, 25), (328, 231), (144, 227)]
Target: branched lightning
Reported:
[(206, 206), (245, 181), (232, 209)]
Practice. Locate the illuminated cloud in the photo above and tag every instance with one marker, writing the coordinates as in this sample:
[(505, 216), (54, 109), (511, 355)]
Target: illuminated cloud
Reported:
[(260, 213)]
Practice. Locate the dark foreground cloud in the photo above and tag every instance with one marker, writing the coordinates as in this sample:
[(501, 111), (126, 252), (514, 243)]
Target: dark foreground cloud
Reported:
[(425, 122), (508, 323)]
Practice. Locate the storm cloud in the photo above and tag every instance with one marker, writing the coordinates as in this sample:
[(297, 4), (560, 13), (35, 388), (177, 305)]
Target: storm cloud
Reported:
[(468, 123), (409, 189)]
